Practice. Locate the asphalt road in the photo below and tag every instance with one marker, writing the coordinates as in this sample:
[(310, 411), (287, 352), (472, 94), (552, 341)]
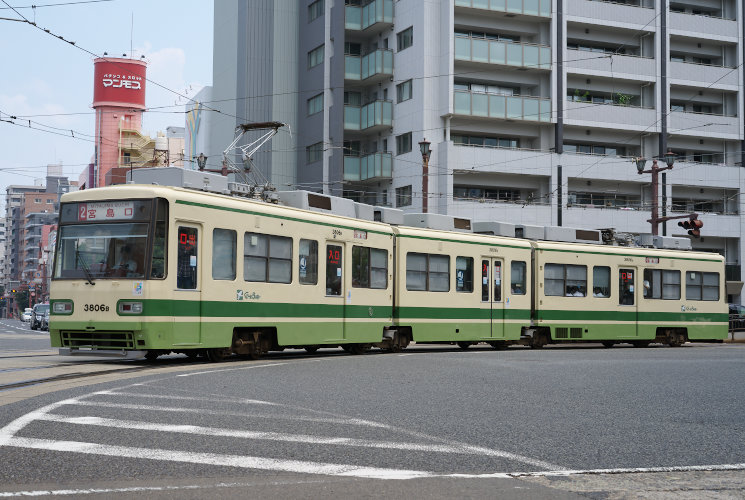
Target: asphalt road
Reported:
[(552, 423)]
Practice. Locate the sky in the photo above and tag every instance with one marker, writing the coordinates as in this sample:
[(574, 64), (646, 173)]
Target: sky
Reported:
[(50, 82)]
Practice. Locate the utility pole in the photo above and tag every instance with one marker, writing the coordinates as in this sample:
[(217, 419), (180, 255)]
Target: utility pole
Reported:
[(669, 158)]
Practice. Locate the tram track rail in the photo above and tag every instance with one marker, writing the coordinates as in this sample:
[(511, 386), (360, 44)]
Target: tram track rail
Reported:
[(72, 376)]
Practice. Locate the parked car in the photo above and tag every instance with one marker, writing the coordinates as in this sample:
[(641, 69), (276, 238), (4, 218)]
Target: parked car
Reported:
[(45, 320), (736, 317), (26, 315), (39, 311)]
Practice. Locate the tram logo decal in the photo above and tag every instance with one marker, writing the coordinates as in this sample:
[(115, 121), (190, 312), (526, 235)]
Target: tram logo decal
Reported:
[(687, 308), (246, 295)]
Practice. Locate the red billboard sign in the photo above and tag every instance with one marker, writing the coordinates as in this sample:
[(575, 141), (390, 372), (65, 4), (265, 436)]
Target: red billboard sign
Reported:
[(119, 82)]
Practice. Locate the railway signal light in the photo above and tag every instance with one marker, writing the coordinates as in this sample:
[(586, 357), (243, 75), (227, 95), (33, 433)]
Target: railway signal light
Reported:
[(693, 226)]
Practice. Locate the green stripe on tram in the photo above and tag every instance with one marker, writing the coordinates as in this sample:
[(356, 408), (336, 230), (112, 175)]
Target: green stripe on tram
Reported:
[(629, 316), (216, 309), (458, 313)]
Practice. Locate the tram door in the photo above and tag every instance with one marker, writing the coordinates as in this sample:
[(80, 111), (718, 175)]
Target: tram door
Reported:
[(492, 274), (627, 293), (335, 289), (188, 296)]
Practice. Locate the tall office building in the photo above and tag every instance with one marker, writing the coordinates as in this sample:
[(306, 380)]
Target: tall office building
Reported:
[(535, 109)]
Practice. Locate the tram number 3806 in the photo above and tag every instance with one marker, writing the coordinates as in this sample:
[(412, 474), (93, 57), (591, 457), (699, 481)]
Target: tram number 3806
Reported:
[(95, 307)]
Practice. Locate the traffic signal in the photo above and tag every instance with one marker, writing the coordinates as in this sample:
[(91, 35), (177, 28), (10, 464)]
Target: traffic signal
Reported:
[(693, 225)]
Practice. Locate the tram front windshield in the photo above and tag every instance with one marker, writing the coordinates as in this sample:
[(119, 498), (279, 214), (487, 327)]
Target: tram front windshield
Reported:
[(102, 251), (109, 240)]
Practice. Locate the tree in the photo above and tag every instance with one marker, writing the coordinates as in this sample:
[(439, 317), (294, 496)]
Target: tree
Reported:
[(21, 298)]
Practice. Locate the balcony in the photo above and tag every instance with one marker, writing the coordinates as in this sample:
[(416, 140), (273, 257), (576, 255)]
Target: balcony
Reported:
[(703, 75), (713, 28), (524, 55), (633, 67), (371, 68), (371, 117), (375, 166), (526, 7), (607, 12), (610, 116), (537, 109), (373, 17), (704, 125)]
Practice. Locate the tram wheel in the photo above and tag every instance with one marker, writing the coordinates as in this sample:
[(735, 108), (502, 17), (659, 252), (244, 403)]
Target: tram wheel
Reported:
[(641, 343), (608, 344), (499, 345), (216, 355), (311, 349), (152, 355), (464, 345), (192, 354), (358, 348)]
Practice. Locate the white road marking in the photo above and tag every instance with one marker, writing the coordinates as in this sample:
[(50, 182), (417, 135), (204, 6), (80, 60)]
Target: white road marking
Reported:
[(229, 369), (177, 409), (187, 398), (137, 489), (241, 461), (276, 436)]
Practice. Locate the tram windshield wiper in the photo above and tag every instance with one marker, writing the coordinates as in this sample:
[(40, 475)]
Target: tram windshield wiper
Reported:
[(86, 270)]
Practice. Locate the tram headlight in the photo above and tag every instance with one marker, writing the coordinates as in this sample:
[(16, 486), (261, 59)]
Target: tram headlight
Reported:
[(62, 307), (130, 307)]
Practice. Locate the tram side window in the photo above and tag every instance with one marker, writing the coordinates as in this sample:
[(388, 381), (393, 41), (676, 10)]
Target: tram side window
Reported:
[(565, 280), (308, 263), (601, 281), (427, 272), (267, 258), (186, 266), (369, 267), (158, 263), (661, 284), (333, 269), (464, 274), (223, 254), (517, 277), (702, 286)]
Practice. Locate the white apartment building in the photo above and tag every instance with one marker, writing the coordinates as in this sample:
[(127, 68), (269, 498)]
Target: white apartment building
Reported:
[(535, 109)]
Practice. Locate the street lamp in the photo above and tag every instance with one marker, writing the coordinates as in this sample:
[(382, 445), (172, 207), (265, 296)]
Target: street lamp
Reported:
[(669, 158), (424, 148)]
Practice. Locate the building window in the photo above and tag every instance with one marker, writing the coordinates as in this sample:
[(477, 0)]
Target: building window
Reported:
[(315, 104), (403, 196), (314, 152), (315, 57), (405, 38), (403, 143), (352, 99), (484, 141), (352, 49), (403, 91), (315, 10)]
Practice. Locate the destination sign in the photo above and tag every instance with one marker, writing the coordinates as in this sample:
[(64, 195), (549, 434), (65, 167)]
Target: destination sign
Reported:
[(108, 210)]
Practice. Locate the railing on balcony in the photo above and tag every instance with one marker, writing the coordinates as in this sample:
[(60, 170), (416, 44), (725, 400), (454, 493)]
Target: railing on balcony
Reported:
[(379, 62), (374, 114), (525, 55), (360, 18), (527, 7), (732, 272), (372, 166), (502, 106)]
